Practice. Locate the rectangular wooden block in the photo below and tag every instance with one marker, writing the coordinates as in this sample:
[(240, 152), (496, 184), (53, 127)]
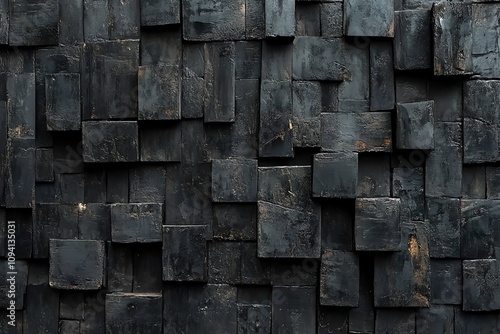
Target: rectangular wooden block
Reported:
[(136, 222), (402, 279), (374, 175), (380, 24), (362, 318), (94, 221), (120, 267), (246, 125), (4, 25), (132, 313), (337, 225), (235, 221), (110, 141), (209, 21), (294, 310), (446, 281), (95, 18), (185, 253), (44, 165), (34, 22), (71, 22), (279, 18), (354, 90), (476, 230), (382, 89), (447, 97), (412, 40), (148, 269), (193, 97), (94, 186), (255, 19), (254, 318), (42, 309), (452, 38), (377, 224), (117, 186), (444, 220), (194, 142), (276, 61), (475, 322), (160, 143), (219, 82), (275, 135), (335, 175), (13, 286), (480, 287), (395, 321), (71, 305), (159, 13), (253, 269), (224, 262), (408, 185), (480, 141), (248, 60), (62, 94), (76, 264), (436, 319), (159, 93), (21, 117), (307, 19), (415, 128), (473, 181), (147, 184), (333, 320), (493, 182), (234, 180), (20, 173), (485, 52), (70, 188), (164, 47), (124, 19), (339, 280), (331, 19), (306, 119)]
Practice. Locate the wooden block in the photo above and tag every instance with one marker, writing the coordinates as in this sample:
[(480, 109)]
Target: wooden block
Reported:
[(295, 311), (415, 129), (279, 18), (194, 142), (211, 21), (159, 93), (452, 38), (124, 19), (160, 143), (473, 181), (447, 97), (20, 173), (42, 309), (337, 225), (68, 154), (410, 88), (331, 19), (402, 279), (224, 263), (76, 264), (377, 224), (4, 26), (117, 187), (444, 220), (95, 18), (253, 269), (475, 103), (33, 23), (276, 61), (94, 317), (234, 180), (475, 322), (374, 175), (248, 60), (120, 267), (147, 184), (436, 319), (408, 185), (485, 52), (354, 90), (21, 117), (110, 141), (71, 22), (307, 19), (70, 188), (136, 222), (235, 221), (446, 281), (193, 59), (480, 141), (335, 175), (193, 97), (44, 165), (245, 127), (94, 221), (69, 327), (62, 93), (13, 286), (477, 239), (339, 280), (493, 182), (255, 24), (94, 189), (362, 318), (306, 119), (164, 47), (184, 253), (480, 287), (159, 13), (71, 305), (132, 313), (148, 269), (382, 90), (381, 14), (294, 272), (333, 321), (254, 318), (412, 40)]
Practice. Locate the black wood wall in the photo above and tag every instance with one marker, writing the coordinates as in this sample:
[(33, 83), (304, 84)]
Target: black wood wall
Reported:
[(250, 166)]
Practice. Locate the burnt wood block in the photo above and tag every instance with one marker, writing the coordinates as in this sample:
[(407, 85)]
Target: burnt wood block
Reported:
[(94, 221), (476, 230), (20, 173), (377, 224), (395, 321), (452, 38), (159, 93), (136, 222), (95, 20), (69, 327), (161, 143), (62, 94), (326, 62), (235, 221), (70, 188), (485, 51), (275, 135), (444, 220), (212, 21), (41, 314), (473, 181), (333, 320), (234, 180), (195, 309), (331, 19), (193, 57), (159, 13), (382, 89), (34, 23), (110, 141), (13, 286), (362, 318), (374, 175), (412, 40), (253, 269), (380, 24), (402, 279), (4, 25), (185, 253), (329, 96), (248, 60), (481, 287), (120, 268), (287, 233), (164, 47), (117, 187), (245, 128), (71, 22), (410, 88), (255, 19), (94, 188), (307, 19), (358, 132), (493, 182), (306, 119), (446, 281), (224, 262), (148, 269), (280, 18), (354, 91), (21, 104), (415, 129), (337, 225), (435, 319), (76, 264), (71, 305), (480, 141), (294, 272), (475, 322), (147, 184), (124, 19), (254, 318), (194, 142), (476, 103), (276, 61), (44, 165), (134, 313), (335, 175), (447, 96), (294, 310), (408, 185), (193, 97), (339, 280)]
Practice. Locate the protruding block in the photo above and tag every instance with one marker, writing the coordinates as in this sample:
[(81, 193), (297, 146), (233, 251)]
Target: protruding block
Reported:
[(339, 280), (134, 313), (209, 21), (452, 30), (184, 253), (402, 279), (335, 175), (34, 22), (446, 281), (136, 222), (481, 286), (306, 119), (280, 18), (477, 238), (287, 233), (412, 40), (380, 24), (234, 180), (377, 224), (382, 89), (444, 220), (62, 94), (159, 93), (76, 264), (159, 12), (110, 141), (415, 130), (295, 311)]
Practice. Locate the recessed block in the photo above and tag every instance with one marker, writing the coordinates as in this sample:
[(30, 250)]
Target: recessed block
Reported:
[(224, 262), (295, 310), (436, 319), (136, 222), (147, 184), (339, 280), (44, 165), (76, 264), (62, 94), (377, 224), (134, 313), (20, 173), (94, 222), (159, 12), (444, 220), (335, 175), (446, 281), (160, 143), (21, 94), (476, 230), (235, 221), (415, 129), (474, 181), (408, 185), (374, 175), (306, 119), (382, 89), (254, 318), (412, 40), (380, 24), (279, 18), (331, 19), (234, 180), (481, 287), (110, 141), (485, 49)]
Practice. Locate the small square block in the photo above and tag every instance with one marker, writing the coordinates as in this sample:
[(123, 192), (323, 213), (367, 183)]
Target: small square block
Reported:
[(339, 280), (415, 128), (234, 180), (76, 264), (136, 222), (335, 175), (377, 224)]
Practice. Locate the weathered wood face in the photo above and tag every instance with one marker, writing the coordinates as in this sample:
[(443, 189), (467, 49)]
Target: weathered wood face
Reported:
[(249, 166)]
